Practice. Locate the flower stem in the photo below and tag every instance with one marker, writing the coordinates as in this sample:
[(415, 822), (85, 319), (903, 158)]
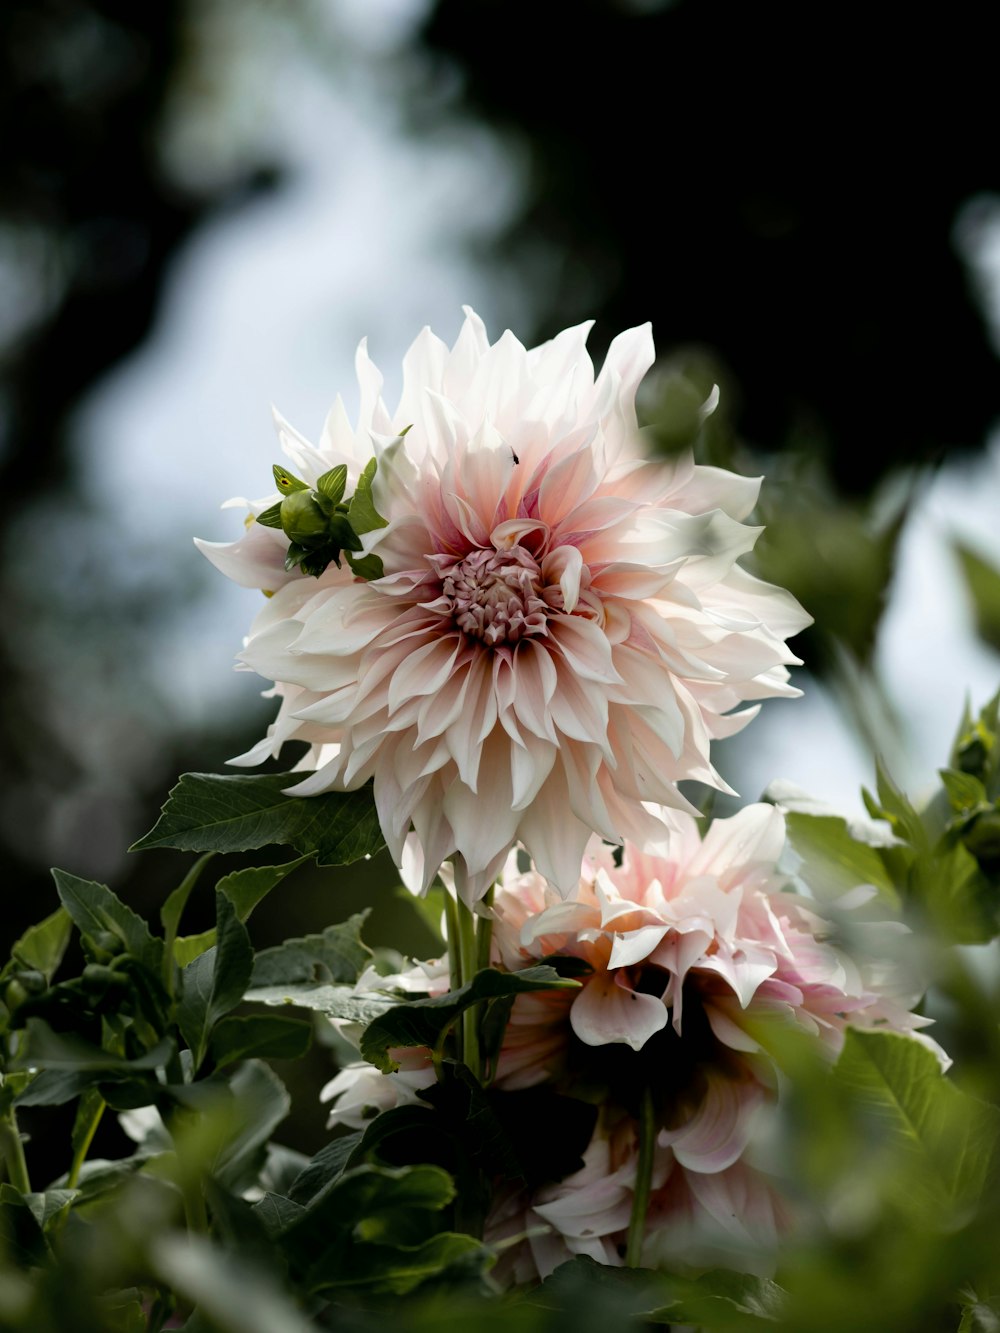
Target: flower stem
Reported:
[(484, 932), (454, 932), (643, 1181), (12, 1152)]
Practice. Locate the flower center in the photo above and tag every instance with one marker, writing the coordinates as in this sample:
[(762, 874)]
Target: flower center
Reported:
[(495, 596)]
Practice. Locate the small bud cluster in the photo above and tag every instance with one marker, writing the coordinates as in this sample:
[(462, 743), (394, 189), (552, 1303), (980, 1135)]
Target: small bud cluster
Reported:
[(321, 526)]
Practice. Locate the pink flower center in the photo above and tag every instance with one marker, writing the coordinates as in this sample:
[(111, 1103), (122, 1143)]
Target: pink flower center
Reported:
[(495, 596)]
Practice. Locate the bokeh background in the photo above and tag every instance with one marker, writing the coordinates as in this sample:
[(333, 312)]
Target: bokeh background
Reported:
[(205, 204)]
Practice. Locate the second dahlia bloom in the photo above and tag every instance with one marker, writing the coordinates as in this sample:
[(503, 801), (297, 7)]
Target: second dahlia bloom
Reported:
[(560, 627), (693, 946)]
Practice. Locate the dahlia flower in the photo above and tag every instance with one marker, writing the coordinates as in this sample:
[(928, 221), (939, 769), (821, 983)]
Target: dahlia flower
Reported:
[(694, 947), (559, 630), (691, 945), (692, 1218)]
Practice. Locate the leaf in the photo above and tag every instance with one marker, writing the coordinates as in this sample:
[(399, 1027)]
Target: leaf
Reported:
[(982, 583), (334, 1001), (833, 861), (189, 947), (44, 1207), (328, 1164), (216, 981), (265, 1036), (42, 946), (361, 513), (332, 484), (62, 1050), (286, 481), (277, 1213), (246, 888), (56, 1087), (964, 791), (95, 908), (894, 807), (952, 1139), (260, 1103), (336, 955), (21, 1237), (400, 1270), (173, 909), (270, 518), (209, 812), (237, 1297), (366, 567), (345, 1235), (423, 1022), (703, 1299)]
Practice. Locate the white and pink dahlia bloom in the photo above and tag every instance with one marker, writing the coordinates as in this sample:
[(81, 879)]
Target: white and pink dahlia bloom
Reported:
[(561, 627), (695, 946), (732, 1217)]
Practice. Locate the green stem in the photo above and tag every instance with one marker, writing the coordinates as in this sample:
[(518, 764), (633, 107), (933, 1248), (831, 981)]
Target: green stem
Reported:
[(454, 932), (643, 1181), (12, 1152), (470, 957), (484, 933), (83, 1147)]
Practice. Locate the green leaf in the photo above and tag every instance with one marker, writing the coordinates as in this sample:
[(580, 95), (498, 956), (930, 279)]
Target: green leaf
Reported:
[(366, 567), (45, 1207), (21, 1237), (709, 1296), (833, 861), (236, 1296), (894, 807), (398, 1270), (266, 1036), (215, 982), (965, 792), (270, 518), (950, 1139), (189, 947), (328, 1165), (173, 909), (277, 1213), (50, 1050), (56, 1087), (361, 513), (334, 1001), (42, 946), (332, 484), (95, 908), (246, 888), (287, 482), (260, 1103), (208, 812), (336, 955), (348, 1232), (982, 583), (424, 1022)]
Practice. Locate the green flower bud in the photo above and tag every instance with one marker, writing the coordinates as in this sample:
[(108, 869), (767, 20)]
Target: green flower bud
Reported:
[(98, 979), (102, 946), (32, 980), (303, 520)]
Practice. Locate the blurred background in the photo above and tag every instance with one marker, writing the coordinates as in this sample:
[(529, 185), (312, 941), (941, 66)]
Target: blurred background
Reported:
[(203, 207)]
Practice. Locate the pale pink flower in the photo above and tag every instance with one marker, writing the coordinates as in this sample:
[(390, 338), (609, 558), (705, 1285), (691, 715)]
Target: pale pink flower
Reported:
[(561, 628), (691, 944), (733, 1216)]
